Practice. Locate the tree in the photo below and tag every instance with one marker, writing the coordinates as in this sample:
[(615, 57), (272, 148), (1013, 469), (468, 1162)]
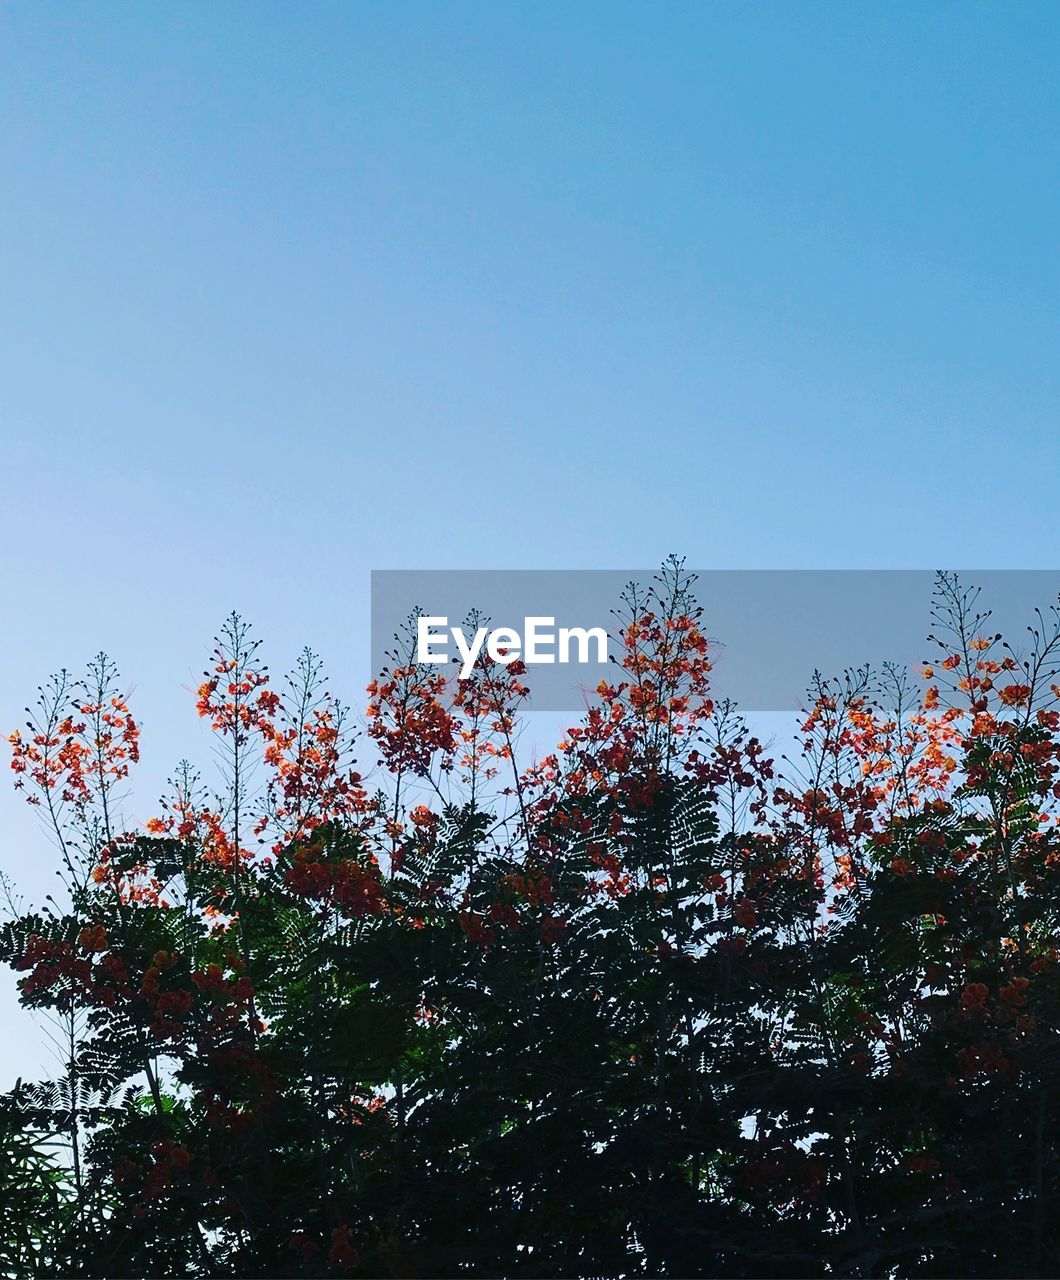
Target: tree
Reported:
[(649, 1006)]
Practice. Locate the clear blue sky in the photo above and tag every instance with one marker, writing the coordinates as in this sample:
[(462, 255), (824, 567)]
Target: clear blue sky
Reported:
[(293, 291)]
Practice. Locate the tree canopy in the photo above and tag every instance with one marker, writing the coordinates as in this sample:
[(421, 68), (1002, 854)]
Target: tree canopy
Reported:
[(652, 1005)]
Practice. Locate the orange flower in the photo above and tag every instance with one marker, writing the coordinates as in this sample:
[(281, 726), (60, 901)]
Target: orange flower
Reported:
[(1013, 993), (342, 1250), (744, 914), (93, 938), (974, 998)]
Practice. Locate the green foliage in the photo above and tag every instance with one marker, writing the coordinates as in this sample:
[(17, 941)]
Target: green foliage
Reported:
[(642, 1010)]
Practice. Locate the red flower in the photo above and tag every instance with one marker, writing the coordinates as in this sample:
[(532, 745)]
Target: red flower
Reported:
[(342, 1250)]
